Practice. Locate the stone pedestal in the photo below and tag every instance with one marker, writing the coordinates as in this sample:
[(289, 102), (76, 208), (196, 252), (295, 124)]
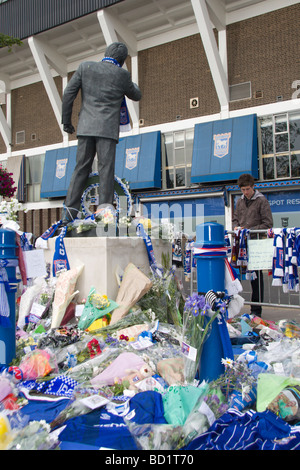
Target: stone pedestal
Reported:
[(105, 257)]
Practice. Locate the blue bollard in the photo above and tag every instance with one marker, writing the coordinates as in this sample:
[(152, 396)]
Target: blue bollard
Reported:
[(210, 253), (8, 262)]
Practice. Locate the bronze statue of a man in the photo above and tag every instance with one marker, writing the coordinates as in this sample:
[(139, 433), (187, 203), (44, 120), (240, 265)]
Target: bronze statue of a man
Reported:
[(103, 87)]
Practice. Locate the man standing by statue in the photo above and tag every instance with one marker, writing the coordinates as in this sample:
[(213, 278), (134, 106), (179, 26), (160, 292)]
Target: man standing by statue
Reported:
[(103, 87)]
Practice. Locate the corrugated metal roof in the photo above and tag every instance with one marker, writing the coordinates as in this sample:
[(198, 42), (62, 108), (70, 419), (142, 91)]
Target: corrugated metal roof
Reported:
[(24, 18)]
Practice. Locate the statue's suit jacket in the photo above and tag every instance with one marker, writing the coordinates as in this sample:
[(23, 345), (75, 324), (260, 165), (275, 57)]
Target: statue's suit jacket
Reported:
[(103, 86)]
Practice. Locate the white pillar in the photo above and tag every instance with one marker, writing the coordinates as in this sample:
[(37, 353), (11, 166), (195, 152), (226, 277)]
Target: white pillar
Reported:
[(212, 53)]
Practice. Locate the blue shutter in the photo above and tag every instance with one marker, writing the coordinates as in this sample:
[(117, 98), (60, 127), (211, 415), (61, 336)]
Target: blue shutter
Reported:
[(138, 160), (225, 149), (58, 169)]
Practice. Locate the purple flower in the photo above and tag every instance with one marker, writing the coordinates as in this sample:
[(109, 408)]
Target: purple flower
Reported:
[(223, 408), (215, 398), (196, 304)]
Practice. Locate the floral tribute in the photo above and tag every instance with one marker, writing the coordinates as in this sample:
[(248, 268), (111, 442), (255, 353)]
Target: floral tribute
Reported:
[(237, 377), (197, 322), (99, 301)]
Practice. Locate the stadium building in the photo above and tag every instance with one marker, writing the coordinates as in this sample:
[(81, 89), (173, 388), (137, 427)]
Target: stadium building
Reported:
[(221, 96)]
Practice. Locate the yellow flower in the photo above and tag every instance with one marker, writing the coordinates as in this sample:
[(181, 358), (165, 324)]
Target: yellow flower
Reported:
[(100, 301), (146, 223)]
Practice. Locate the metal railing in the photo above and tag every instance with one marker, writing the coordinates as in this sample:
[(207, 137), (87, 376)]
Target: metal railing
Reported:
[(273, 296)]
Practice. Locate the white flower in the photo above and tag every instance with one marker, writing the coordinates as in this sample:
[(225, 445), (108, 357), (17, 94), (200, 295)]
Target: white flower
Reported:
[(227, 362), (11, 208)]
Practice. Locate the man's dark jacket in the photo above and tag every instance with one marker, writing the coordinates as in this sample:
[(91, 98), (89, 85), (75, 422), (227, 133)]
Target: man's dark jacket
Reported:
[(254, 214), (103, 86)]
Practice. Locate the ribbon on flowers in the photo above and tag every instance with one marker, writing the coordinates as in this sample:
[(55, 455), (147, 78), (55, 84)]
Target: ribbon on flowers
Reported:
[(140, 231), (60, 258), (4, 288), (124, 115)]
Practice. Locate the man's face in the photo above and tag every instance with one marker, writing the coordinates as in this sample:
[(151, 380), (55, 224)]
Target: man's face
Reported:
[(248, 191)]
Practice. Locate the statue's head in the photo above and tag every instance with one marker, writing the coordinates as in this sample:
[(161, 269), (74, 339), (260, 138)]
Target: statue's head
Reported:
[(118, 51)]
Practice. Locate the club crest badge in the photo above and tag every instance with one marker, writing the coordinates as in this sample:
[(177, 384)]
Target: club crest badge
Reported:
[(61, 166), (221, 145), (132, 158)]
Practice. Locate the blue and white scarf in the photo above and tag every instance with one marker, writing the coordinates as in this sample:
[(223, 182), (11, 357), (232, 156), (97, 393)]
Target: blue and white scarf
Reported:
[(278, 258), (60, 258), (227, 243), (297, 244), (41, 242), (242, 259), (124, 116), (60, 386), (291, 280), (243, 253), (140, 231)]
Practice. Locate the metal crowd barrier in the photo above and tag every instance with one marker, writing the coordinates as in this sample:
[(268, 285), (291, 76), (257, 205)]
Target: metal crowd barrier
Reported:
[(273, 295)]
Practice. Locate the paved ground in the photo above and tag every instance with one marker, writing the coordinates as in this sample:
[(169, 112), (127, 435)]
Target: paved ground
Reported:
[(277, 313)]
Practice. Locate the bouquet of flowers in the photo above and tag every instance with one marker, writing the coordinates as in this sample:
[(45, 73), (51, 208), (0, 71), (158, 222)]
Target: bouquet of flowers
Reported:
[(105, 215), (7, 188), (197, 322), (99, 301), (216, 401), (164, 298), (237, 379), (10, 208), (35, 436), (146, 223)]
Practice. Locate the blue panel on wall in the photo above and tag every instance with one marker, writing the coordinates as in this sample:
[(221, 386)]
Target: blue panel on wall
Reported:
[(58, 168), (138, 160), (225, 149)]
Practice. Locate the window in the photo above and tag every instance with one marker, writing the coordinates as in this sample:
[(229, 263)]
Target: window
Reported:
[(177, 158), (34, 174), (280, 135)]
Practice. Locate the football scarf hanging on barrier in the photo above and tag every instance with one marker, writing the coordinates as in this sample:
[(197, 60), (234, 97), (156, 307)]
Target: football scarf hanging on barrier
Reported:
[(239, 253), (286, 259), (297, 244), (232, 283), (291, 279), (278, 258), (242, 253), (227, 242)]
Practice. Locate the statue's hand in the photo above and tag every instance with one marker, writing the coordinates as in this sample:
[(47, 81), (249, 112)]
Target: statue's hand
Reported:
[(69, 128)]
